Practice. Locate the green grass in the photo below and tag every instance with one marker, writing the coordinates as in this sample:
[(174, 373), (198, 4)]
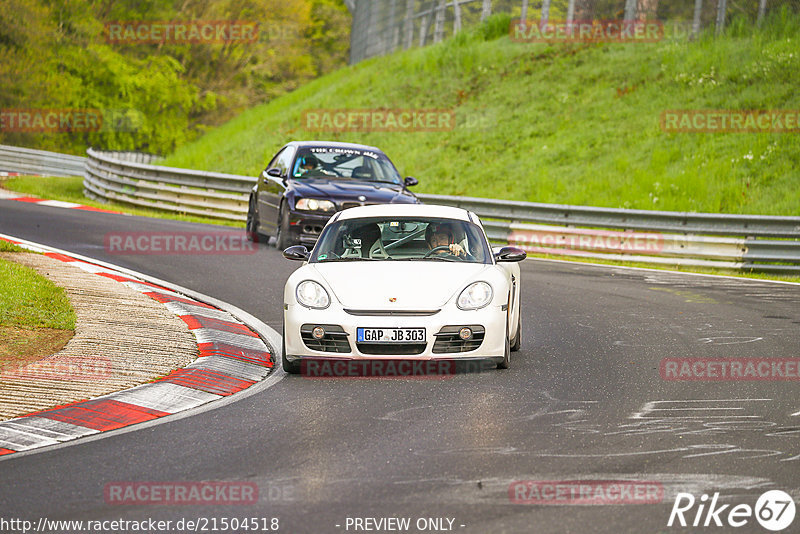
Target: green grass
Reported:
[(572, 124), (70, 189), (30, 300), (6, 246)]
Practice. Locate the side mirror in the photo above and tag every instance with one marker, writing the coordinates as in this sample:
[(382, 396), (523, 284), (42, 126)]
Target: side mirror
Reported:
[(410, 181), (274, 172), (297, 252), (509, 254)]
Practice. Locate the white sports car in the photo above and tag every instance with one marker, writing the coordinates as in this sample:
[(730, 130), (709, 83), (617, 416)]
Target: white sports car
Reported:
[(409, 282)]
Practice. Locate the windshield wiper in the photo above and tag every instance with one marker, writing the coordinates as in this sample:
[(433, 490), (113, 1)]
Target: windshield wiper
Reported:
[(352, 258), (429, 258)]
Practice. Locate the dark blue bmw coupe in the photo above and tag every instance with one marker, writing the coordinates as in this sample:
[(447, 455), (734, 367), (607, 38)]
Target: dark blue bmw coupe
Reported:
[(308, 181)]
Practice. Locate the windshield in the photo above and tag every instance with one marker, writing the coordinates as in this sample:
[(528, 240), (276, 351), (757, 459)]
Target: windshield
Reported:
[(345, 164), (402, 239)]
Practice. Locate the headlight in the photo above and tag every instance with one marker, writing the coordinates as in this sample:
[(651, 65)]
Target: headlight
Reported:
[(475, 296), (312, 204), (312, 295)]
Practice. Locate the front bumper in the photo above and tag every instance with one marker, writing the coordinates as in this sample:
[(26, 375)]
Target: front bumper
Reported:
[(305, 226), (340, 338)]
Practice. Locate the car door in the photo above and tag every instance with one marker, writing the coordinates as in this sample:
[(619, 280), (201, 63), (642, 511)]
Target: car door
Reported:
[(272, 188)]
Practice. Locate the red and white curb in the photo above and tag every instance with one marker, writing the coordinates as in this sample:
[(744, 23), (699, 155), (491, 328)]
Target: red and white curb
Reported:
[(232, 358), (10, 195)]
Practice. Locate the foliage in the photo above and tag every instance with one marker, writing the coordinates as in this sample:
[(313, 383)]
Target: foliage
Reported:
[(54, 54)]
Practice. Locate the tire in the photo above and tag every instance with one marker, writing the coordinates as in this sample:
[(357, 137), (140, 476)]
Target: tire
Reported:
[(292, 368), (517, 343), (506, 357), (251, 227), (282, 239)]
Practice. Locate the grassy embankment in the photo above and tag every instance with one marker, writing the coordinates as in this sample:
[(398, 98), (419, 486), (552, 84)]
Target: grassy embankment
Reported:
[(36, 318), (569, 124)]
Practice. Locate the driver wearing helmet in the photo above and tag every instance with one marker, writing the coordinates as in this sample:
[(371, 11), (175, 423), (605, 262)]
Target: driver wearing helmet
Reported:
[(441, 235), (308, 163)]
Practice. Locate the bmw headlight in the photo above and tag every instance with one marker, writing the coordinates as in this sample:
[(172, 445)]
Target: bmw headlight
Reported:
[(475, 296), (312, 295), (313, 204)]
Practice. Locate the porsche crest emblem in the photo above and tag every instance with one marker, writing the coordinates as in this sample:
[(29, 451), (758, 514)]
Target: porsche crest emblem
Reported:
[(392, 299)]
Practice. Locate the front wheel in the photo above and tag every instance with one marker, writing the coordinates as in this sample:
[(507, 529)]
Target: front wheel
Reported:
[(506, 356), (251, 226), (290, 367), (282, 239), (517, 343)]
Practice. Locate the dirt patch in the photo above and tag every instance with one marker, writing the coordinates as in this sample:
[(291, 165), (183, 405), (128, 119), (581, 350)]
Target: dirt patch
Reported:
[(21, 346)]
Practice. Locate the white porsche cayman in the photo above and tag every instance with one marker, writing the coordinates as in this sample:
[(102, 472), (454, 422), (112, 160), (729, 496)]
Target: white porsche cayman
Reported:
[(411, 282)]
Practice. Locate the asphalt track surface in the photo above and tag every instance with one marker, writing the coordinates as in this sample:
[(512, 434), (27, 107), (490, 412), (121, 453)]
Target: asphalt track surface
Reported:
[(583, 400)]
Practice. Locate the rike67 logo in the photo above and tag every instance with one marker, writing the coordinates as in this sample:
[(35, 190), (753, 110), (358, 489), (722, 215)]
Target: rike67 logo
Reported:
[(774, 510)]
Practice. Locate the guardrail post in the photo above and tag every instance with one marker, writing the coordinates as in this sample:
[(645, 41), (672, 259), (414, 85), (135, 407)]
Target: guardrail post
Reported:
[(486, 11), (630, 10), (438, 27), (394, 25), (423, 29), (570, 14), (456, 16), (698, 10), (545, 12), (722, 7), (409, 24), (762, 9)]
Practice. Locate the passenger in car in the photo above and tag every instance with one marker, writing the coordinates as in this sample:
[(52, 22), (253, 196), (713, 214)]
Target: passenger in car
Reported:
[(362, 240)]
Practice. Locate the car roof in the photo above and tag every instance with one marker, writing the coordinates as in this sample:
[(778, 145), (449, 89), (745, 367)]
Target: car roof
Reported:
[(404, 210), (333, 144)]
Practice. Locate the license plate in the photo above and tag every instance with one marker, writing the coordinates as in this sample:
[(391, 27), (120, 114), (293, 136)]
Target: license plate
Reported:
[(390, 335)]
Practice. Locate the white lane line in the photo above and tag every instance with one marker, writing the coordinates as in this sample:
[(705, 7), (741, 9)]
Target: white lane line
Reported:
[(94, 269), (180, 308), (209, 335), (231, 367), (17, 440), (164, 397), (49, 428), (59, 204), (668, 409), (796, 413), (144, 288)]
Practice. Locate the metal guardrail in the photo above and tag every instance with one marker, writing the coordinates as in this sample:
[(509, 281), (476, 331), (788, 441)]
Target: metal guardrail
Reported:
[(745, 242), (110, 176), (39, 162), (671, 238)]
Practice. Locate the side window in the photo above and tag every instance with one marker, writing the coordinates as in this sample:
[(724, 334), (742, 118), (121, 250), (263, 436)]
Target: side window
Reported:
[(282, 160)]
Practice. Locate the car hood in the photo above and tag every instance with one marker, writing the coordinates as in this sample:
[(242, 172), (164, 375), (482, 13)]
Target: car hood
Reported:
[(351, 190), (416, 285)]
